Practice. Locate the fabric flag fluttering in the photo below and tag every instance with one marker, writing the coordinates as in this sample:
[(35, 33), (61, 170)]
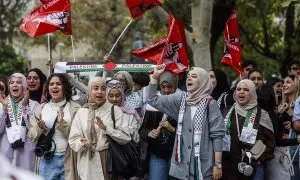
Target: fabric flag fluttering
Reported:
[(232, 48), (49, 17), (138, 7), (170, 50)]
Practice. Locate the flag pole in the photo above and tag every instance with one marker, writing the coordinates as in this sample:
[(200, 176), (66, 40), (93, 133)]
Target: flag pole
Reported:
[(123, 32), (73, 48), (50, 54)]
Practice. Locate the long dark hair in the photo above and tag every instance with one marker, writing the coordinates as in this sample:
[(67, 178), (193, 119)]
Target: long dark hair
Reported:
[(266, 98), (67, 88), (4, 80), (222, 84), (37, 95)]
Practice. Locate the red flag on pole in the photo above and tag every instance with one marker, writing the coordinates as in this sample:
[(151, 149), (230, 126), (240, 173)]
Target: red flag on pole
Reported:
[(151, 52), (170, 50), (232, 48), (49, 17), (138, 7)]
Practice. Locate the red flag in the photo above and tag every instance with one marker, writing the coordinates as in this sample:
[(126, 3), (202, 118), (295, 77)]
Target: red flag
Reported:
[(138, 7), (44, 1), (175, 54), (151, 52), (170, 50), (232, 49), (49, 17)]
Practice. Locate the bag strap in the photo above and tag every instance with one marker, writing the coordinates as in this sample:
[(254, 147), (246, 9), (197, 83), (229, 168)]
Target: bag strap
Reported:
[(257, 118), (113, 115)]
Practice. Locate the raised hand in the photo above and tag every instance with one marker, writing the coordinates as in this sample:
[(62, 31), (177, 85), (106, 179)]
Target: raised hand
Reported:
[(41, 124)]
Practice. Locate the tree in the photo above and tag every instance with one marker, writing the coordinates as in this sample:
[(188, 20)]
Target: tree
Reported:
[(11, 14), (10, 62)]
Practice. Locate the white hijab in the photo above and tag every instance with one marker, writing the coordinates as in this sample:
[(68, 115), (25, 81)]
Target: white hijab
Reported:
[(204, 87), (242, 110)]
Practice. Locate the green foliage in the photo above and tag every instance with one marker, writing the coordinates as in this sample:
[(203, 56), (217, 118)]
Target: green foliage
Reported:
[(10, 62)]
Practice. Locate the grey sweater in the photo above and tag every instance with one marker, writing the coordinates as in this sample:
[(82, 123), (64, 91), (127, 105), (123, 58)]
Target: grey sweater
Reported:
[(212, 134)]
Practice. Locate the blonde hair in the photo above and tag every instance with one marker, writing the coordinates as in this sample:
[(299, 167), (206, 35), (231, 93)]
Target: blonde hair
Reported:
[(284, 105)]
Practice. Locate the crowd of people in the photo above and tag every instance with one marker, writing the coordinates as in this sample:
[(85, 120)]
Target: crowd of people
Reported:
[(188, 126)]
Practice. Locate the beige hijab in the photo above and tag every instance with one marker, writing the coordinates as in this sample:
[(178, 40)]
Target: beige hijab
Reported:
[(242, 110), (92, 106), (204, 87)]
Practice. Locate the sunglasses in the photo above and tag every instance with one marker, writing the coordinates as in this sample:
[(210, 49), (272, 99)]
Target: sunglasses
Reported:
[(295, 68), (115, 85)]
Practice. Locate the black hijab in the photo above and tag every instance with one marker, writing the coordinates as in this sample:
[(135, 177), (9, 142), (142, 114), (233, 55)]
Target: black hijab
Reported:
[(37, 95), (222, 84)]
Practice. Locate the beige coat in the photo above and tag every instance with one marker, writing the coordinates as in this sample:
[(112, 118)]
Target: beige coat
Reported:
[(88, 164), (70, 156)]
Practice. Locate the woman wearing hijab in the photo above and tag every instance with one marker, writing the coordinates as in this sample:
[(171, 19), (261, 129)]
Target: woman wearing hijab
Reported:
[(249, 138), (197, 152), (115, 95), (36, 80), (158, 130), (58, 109), (89, 131), (221, 88), (14, 124)]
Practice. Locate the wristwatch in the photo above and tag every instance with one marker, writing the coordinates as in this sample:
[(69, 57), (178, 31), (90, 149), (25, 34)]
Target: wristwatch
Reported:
[(218, 165)]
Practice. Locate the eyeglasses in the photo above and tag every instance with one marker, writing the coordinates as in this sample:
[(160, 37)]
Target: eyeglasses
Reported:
[(115, 85)]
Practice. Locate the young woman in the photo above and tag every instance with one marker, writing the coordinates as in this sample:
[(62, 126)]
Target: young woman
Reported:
[(248, 127), (36, 80), (197, 152), (290, 92), (159, 130), (115, 95), (15, 115), (257, 78), (276, 83), (277, 168), (89, 131), (220, 88), (58, 110)]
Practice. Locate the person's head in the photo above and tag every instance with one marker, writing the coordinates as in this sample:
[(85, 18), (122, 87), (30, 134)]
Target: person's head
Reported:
[(266, 98), (248, 65), (17, 85), (289, 85), (167, 83), (293, 68), (219, 82), (115, 92), (140, 80), (3, 86), (58, 88), (290, 92), (257, 77), (245, 93), (96, 91), (276, 83), (125, 78), (198, 85), (36, 80)]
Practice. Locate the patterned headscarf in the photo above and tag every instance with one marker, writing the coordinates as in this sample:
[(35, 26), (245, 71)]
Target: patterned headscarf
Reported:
[(128, 78), (115, 84), (204, 87)]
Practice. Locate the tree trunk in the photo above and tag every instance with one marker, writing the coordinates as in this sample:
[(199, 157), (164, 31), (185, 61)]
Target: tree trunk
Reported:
[(288, 37), (201, 22)]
